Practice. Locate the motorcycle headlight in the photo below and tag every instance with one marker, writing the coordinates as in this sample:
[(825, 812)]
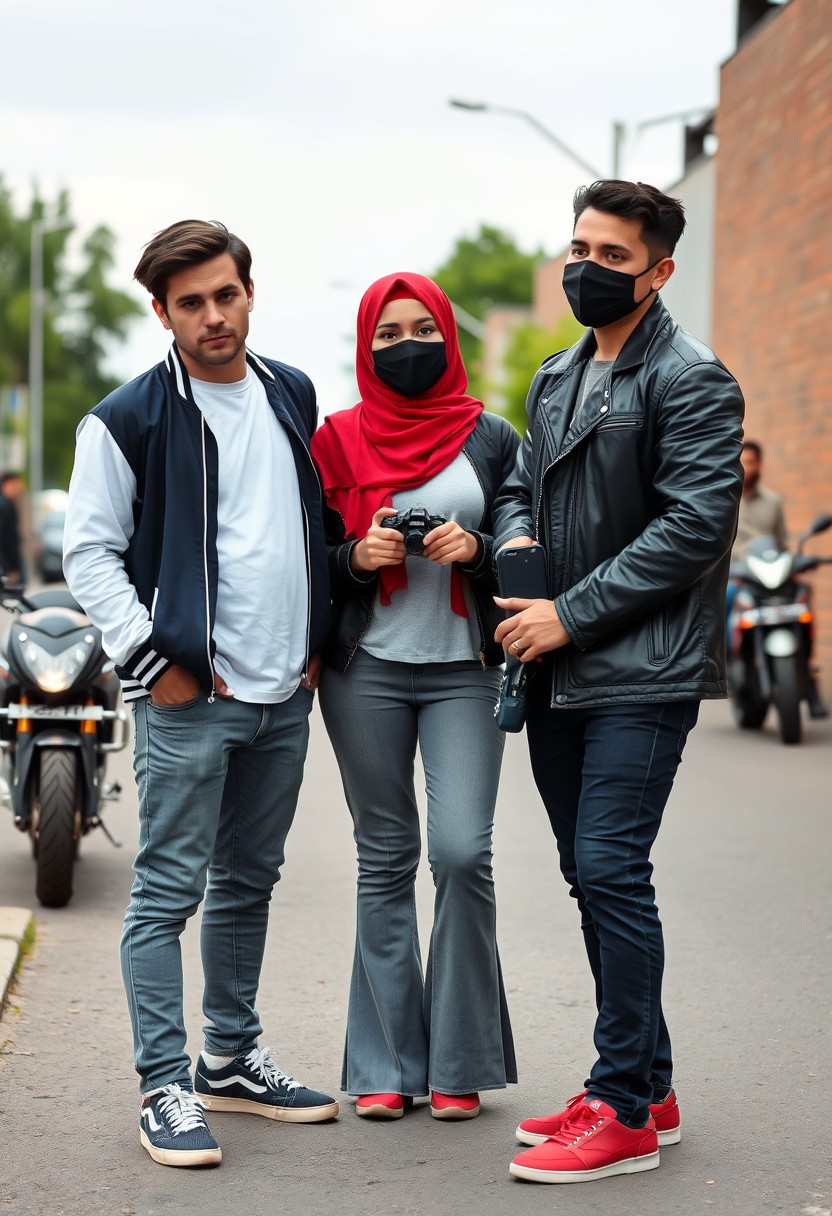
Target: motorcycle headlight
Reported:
[(772, 573), (54, 672)]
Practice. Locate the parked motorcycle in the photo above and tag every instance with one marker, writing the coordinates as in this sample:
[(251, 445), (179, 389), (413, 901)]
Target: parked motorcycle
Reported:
[(58, 721), (770, 629)]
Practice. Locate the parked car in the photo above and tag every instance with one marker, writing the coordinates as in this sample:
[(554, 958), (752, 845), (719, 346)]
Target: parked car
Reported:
[(50, 556)]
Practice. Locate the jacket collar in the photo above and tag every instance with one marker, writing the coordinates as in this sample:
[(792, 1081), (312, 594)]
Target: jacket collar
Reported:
[(635, 348), (182, 380)]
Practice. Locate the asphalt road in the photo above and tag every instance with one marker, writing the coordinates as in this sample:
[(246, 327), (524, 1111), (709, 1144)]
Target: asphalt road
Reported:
[(742, 871)]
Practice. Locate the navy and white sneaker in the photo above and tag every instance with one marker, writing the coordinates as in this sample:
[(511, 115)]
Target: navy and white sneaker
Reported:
[(172, 1128), (255, 1085)]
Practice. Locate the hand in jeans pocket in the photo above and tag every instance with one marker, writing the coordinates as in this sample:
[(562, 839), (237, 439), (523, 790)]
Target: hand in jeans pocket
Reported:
[(176, 687)]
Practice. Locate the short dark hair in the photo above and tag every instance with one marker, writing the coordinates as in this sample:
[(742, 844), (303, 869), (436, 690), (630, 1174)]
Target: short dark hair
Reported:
[(751, 445), (188, 243), (662, 217), (10, 475)]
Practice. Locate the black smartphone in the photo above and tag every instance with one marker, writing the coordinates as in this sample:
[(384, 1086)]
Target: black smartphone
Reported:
[(521, 573)]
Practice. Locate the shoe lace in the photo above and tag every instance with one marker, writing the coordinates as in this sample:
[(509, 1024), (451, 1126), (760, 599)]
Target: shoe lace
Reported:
[(263, 1063), (582, 1122), (182, 1109)]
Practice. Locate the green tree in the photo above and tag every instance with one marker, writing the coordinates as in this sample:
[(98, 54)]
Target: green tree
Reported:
[(481, 272), (82, 316), (528, 346)]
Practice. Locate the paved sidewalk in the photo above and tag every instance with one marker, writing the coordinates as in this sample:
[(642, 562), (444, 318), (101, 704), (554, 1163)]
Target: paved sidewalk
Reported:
[(13, 925), (743, 886)]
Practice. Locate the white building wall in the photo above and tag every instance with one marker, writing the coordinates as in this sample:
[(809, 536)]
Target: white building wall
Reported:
[(689, 294)]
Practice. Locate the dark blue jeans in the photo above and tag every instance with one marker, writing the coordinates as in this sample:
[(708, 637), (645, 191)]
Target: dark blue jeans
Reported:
[(604, 774)]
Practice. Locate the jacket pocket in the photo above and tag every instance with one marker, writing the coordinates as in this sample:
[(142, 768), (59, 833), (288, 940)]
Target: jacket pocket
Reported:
[(620, 422), (658, 636)]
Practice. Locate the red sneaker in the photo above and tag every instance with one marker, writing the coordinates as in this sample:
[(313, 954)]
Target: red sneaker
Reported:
[(592, 1143), (454, 1106), (665, 1114), (382, 1106)]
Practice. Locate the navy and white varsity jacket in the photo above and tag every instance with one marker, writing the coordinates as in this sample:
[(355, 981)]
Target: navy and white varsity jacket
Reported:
[(152, 587)]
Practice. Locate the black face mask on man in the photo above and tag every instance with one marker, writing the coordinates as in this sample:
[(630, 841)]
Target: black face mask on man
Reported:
[(599, 296), (410, 368)]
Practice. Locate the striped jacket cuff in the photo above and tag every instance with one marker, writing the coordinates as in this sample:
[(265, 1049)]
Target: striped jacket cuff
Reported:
[(146, 666)]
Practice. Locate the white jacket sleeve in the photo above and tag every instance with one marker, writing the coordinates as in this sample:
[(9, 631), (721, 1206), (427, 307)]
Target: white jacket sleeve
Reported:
[(99, 525)]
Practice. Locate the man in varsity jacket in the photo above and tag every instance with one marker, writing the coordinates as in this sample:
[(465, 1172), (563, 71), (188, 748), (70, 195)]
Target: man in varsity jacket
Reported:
[(194, 541)]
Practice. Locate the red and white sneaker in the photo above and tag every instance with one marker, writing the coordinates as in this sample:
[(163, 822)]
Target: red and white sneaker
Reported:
[(592, 1143), (382, 1106), (665, 1114), (454, 1106)]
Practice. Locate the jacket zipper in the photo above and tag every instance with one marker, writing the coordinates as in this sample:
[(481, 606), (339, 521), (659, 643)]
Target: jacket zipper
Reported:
[(205, 556), (305, 673), (468, 457)]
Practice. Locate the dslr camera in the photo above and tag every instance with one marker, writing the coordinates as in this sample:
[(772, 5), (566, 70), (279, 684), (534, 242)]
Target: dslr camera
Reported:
[(414, 525)]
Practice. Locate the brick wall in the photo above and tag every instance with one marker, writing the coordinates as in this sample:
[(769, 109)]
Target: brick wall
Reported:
[(550, 304), (772, 317)]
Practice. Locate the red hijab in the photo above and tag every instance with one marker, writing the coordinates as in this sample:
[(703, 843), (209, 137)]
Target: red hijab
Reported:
[(388, 442)]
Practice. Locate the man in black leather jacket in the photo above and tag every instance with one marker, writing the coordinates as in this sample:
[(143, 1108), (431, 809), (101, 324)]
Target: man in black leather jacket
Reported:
[(630, 477)]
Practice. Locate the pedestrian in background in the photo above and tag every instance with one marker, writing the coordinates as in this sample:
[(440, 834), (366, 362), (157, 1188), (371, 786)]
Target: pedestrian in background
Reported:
[(412, 660), (761, 509), (194, 540), (11, 493), (630, 477)]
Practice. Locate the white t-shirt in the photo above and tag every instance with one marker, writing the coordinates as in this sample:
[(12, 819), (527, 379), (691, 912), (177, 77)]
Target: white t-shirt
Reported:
[(263, 594)]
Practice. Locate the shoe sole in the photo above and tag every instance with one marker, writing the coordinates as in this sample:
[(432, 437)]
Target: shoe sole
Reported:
[(672, 1136), (453, 1112), (187, 1158), (379, 1111), (285, 1114), (631, 1165)]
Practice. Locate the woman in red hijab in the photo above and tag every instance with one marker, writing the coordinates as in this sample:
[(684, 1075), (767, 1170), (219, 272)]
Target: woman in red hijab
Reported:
[(412, 660)]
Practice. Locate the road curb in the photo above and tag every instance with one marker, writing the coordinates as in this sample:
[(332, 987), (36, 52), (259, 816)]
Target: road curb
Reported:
[(14, 924)]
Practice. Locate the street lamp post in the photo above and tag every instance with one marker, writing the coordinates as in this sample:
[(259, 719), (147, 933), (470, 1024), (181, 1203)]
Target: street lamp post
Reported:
[(533, 122), (36, 306), (619, 130), (37, 301)]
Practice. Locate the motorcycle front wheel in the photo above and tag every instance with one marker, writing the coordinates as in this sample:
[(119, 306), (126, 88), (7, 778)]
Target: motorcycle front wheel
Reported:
[(55, 845), (787, 697), (749, 705)]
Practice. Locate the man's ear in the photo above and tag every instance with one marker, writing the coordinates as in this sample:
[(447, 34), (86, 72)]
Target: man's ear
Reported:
[(159, 309), (250, 294), (662, 273)]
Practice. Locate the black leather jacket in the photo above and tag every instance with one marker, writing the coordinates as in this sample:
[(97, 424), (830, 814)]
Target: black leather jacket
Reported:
[(491, 448), (635, 500)]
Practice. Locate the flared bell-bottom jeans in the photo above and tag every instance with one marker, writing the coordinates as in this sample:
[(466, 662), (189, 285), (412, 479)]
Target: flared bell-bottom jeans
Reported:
[(450, 1030), (218, 785)]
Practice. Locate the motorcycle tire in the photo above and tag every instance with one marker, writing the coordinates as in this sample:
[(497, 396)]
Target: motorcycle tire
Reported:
[(787, 698), (56, 839), (749, 712)]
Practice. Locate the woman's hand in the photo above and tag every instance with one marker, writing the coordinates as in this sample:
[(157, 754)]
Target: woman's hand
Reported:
[(380, 547), (451, 543)]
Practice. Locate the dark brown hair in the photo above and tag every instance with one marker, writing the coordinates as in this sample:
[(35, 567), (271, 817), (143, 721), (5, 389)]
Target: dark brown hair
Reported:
[(662, 217), (185, 244)]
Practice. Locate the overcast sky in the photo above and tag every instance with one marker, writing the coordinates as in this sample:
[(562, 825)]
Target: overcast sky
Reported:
[(321, 132)]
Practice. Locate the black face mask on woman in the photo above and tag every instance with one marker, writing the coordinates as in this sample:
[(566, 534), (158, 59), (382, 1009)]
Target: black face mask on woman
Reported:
[(599, 296), (410, 368)]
